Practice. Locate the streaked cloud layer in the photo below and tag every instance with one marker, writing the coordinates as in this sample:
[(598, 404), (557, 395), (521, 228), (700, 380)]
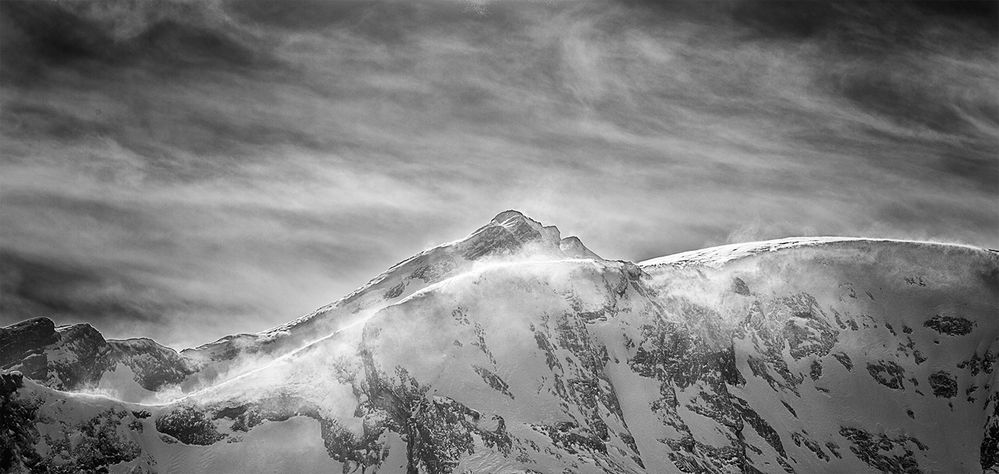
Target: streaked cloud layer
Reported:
[(186, 170)]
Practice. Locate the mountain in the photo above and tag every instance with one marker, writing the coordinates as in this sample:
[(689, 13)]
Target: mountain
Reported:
[(77, 356), (515, 350), (509, 234)]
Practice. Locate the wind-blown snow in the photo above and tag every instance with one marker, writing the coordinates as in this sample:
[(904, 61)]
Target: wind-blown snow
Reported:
[(798, 355)]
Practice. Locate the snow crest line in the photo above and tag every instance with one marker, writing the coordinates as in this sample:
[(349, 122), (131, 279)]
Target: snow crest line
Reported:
[(722, 254), (478, 269)]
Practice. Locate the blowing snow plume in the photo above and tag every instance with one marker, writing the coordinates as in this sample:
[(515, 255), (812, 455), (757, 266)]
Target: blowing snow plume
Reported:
[(517, 350)]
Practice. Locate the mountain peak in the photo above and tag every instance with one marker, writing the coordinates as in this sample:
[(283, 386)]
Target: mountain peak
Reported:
[(513, 219), (512, 214), (511, 231)]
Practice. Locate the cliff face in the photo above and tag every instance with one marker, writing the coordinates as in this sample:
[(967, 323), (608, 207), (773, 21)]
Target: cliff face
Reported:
[(77, 356), (801, 355)]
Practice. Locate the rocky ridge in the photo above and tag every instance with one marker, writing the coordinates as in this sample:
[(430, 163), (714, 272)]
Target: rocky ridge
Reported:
[(527, 354)]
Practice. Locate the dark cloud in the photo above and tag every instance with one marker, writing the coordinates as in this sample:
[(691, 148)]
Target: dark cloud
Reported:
[(969, 164), (93, 208), (385, 22), (157, 130), (868, 25), (382, 20), (788, 19), (40, 36), (119, 301), (983, 14), (225, 166), (67, 291), (41, 121), (885, 93)]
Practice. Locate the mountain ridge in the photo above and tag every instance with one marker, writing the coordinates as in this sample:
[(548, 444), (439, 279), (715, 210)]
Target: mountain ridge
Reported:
[(769, 245), (815, 355), (494, 235)]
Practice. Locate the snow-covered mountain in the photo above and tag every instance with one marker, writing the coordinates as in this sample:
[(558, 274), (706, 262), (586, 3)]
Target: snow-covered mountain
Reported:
[(515, 350), (509, 235)]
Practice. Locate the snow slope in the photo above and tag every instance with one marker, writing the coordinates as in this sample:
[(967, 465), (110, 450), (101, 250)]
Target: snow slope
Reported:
[(509, 235), (799, 355)]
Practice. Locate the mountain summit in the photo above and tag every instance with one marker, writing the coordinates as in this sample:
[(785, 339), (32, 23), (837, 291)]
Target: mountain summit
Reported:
[(517, 350), (510, 232), (509, 236)]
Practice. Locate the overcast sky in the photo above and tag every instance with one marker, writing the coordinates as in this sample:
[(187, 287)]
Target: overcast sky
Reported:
[(186, 170)]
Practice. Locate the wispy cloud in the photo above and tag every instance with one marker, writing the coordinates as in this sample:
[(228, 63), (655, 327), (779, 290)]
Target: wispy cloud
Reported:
[(187, 170)]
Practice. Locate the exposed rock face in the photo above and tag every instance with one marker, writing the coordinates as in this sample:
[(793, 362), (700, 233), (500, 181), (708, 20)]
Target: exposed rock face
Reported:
[(87, 444), (71, 357), (736, 359), (989, 451), (17, 445), (954, 326), (188, 425), (78, 356), (943, 384), (19, 340), (883, 453), (887, 373)]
